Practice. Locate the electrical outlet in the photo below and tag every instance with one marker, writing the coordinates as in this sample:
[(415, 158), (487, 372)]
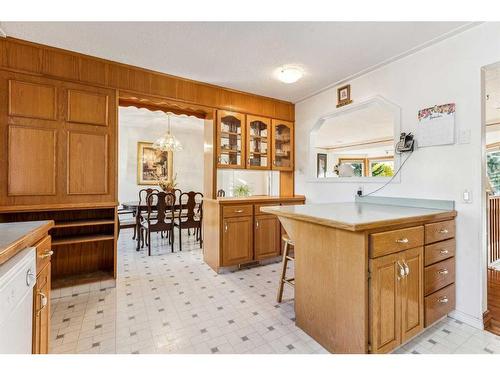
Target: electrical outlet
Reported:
[(464, 136)]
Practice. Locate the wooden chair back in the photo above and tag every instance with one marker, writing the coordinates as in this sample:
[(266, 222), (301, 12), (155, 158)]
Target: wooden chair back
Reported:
[(162, 204), (144, 193), (190, 209), (221, 193)]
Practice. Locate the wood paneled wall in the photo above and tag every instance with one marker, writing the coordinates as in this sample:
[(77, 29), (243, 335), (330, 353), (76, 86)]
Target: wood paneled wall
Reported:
[(52, 62)]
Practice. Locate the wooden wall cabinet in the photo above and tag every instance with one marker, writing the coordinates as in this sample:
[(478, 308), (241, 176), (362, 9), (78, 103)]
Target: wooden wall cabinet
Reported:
[(283, 145), (230, 139), (41, 297), (258, 142), (254, 142)]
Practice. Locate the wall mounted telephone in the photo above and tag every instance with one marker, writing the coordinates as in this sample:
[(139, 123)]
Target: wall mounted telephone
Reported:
[(406, 143)]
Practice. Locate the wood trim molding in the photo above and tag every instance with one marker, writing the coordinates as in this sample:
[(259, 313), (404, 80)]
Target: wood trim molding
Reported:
[(28, 57)]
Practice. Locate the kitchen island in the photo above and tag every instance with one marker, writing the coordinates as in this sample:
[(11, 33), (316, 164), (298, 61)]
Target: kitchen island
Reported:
[(371, 274)]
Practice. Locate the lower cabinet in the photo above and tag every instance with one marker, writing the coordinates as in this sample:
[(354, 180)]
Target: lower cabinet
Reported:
[(267, 237), (396, 299), (41, 312), (41, 297), (237, 240)]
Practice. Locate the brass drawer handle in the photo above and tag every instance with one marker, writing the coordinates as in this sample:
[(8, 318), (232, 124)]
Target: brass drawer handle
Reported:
[(47, 254), (225, 226), (238, 211), (443, 299), (444, 252), (443, 231), (402, 240), (444, 271)]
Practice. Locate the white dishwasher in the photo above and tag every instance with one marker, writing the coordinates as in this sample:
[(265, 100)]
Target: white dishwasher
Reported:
[(17, 278)]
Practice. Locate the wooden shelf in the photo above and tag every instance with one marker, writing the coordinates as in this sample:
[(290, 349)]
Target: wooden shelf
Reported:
[(82, 238), (229, 151), (228, 134), (83, 278), (83, 223)]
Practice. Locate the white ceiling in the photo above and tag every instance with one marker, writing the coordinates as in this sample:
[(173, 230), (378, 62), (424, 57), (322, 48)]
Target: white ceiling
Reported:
[(369, 124), (243, 55)]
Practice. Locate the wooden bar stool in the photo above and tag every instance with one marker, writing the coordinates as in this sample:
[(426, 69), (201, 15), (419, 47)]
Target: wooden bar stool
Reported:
[(286, 257)]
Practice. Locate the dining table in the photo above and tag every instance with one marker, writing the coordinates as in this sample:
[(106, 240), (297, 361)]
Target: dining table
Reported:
[(139, 207)]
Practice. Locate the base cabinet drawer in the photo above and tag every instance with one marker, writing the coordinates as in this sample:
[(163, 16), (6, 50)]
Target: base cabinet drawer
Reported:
[(43, 253), (237, 211), (440, 231), (439, 275), (439, 251), (439, 304), (395, 241)]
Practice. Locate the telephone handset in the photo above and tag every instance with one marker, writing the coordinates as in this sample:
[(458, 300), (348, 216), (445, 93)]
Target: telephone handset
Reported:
[(406, 143)]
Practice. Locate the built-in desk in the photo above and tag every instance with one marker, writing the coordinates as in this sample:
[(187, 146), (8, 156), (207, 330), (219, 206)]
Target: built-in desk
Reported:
[(370, 275)]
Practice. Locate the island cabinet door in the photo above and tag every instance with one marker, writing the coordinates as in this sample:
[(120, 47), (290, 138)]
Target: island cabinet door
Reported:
[(267, 236), (237, 240), (385, 303), (41, 312), (412, 294)]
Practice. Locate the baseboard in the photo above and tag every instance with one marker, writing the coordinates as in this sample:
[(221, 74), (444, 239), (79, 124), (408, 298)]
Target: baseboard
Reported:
[(467, 319)]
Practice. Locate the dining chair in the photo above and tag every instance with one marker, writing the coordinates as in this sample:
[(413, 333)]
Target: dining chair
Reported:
[(143, 196), (160, 216), (126, 222), (189, 215)]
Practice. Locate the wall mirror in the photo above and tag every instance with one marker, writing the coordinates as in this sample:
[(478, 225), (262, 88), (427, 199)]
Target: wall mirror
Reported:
[(356, 143)]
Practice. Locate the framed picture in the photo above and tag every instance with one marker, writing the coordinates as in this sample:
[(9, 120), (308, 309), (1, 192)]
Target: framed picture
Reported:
[(344, 95), (152, 163), (321, 165)]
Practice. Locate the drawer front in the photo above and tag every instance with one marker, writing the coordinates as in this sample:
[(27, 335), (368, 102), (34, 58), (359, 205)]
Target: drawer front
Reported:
[(439, 251), (237, 211), (439, 231), (439, 304), (396, 240), (43, 253), (439, 275)]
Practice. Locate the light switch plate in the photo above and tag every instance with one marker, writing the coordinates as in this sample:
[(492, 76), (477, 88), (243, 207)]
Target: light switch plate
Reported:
[(464, 136), (467, 196)]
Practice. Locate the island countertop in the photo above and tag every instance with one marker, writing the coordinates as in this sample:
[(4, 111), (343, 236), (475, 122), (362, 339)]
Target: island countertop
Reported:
[(355, 216), (16, 236)]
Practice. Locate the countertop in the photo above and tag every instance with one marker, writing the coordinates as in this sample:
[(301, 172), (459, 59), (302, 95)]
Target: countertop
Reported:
[(257, 199), (357, 216), (18, 235)]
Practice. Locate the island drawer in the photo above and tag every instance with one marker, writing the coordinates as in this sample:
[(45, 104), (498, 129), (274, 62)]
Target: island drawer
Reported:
[(396, 240), (43, 253), (439, 251), (237, 211), (439, 304), (439, 231), (439, 275)]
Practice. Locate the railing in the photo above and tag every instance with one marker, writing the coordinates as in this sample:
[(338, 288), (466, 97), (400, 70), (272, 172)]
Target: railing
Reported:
[(494, 229)]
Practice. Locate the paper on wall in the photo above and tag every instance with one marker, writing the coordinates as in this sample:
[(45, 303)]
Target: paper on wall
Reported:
[(436, 125)]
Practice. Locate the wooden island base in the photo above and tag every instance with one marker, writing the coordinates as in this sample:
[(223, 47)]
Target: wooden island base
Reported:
[(370, 277)]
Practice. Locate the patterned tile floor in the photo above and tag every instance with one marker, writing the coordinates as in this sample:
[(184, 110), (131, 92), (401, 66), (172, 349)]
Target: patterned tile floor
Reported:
[(174, 303)]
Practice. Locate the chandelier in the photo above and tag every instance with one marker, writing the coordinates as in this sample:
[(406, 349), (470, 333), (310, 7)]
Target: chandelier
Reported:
[(167, 142)]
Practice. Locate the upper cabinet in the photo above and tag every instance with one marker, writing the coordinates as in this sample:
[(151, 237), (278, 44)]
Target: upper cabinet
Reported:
[(254, 142), (231, 139), (258, 142), (283, 145)]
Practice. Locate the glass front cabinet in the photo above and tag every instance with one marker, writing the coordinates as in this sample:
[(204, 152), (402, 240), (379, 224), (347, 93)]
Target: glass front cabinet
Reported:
[(258, 142), (283, 145), (231, 139), (253, 142)]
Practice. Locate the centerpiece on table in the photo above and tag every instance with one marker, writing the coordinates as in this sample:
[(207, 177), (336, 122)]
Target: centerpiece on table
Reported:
[(166, 184)]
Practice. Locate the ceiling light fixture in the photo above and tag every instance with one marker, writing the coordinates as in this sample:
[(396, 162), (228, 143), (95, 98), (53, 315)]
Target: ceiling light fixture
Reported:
[(167, 142), (290, 74)]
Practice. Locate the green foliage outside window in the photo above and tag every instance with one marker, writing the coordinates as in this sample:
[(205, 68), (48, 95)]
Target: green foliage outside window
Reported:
[(493, 170), (382, 170)]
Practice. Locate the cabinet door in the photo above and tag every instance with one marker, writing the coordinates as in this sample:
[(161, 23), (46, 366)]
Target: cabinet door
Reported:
[(230, 139), (283, 145), (412, 293), (385, 304), (41, 312), (258, 145), (267, 236), (237, 240)]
